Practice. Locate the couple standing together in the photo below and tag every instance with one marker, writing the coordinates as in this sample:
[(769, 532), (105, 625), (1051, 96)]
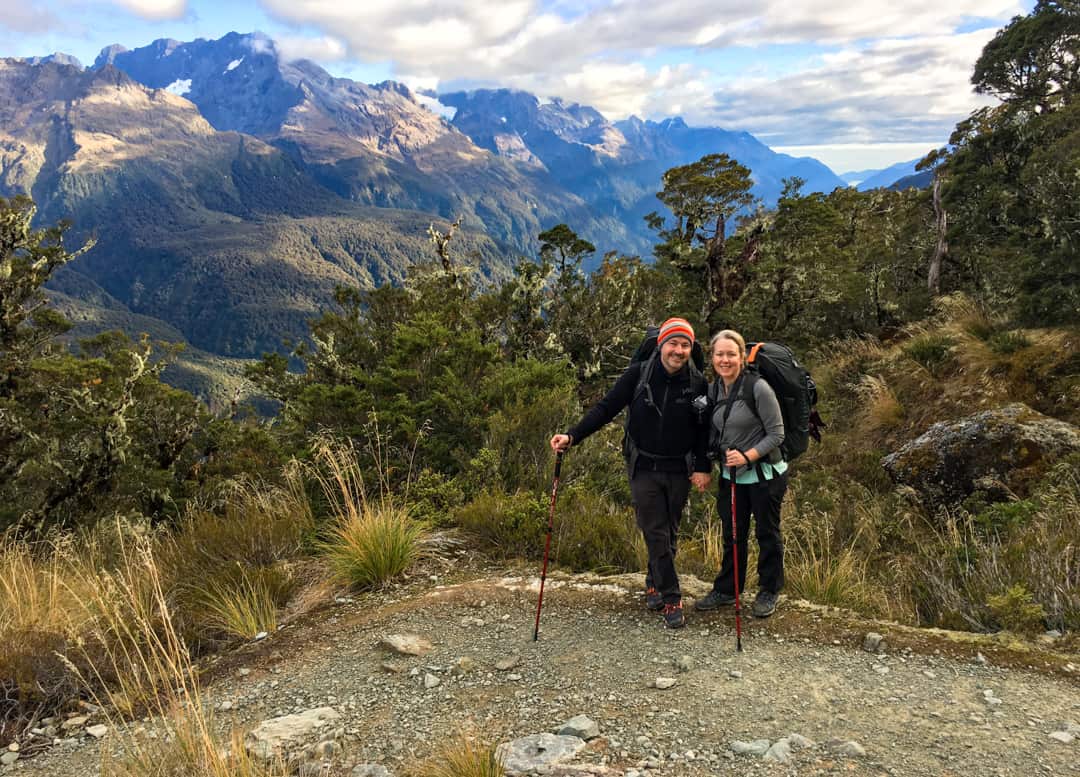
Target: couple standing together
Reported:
[(668, 450)]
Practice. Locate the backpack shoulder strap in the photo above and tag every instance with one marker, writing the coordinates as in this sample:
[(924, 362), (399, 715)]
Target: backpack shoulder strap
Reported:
[(748, 394)]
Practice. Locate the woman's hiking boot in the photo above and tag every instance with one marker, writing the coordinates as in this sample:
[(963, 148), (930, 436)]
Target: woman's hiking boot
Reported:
[(714, 600), (673, 616)]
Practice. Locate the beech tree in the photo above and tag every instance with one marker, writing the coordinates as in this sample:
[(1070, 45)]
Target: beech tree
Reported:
[(703, 197)]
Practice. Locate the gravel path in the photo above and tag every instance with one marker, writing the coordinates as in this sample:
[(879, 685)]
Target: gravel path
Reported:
[(929, 705)]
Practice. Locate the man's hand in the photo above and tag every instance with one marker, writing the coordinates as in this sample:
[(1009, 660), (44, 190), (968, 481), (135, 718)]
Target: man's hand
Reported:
[(561, 442), (701, 481)]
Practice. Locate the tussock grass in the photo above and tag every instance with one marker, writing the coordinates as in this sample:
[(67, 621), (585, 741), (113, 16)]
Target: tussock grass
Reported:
[(227, 571), (703, 548), (146, 667), (40, 616), (880, 409), (242, 607), (463, 756), (370, 549), (840, 578), (370, 542)]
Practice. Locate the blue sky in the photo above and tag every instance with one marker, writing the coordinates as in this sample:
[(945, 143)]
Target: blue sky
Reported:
[(856, 84)]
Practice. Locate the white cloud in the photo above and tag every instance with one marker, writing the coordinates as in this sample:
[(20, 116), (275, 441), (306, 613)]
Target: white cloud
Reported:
[(24, 18), (155, 9), (892, 68), (888, 91), (321, 49)]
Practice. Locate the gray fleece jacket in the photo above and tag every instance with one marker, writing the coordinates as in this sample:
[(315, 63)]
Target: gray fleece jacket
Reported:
[(743, 431)]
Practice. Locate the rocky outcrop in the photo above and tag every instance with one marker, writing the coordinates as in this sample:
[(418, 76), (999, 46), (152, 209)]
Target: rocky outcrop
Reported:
[(1000, 450)]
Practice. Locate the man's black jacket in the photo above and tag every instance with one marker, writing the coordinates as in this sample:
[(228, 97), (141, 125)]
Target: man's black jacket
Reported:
[(670, 429)]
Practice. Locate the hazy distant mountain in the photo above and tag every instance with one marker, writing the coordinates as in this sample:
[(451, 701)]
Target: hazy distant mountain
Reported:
[(883, 179), (855, 177), (923, 179), (230, 190)]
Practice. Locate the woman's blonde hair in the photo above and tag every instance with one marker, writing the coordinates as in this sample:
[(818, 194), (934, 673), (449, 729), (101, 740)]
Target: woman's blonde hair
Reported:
[(735, 337)]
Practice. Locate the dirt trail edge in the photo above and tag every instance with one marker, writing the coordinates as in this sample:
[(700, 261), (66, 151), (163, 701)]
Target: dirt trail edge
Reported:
[(925, 703)]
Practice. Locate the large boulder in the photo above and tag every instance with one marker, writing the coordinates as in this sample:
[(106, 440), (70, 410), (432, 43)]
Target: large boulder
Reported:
[(994, 450), (283, 737), (537, 752)]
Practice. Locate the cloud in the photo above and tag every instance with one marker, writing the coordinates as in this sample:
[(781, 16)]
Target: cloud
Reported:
[(322, 49), (26, 19), (889, 91), (155, 9), (892, 68)]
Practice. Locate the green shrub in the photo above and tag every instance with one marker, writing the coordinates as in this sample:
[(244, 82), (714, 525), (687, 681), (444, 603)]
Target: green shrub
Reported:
[(433, 498), (510, 525), (932, 350), (1005, 343), (1016, 610), (593, 533), (1006, 515)]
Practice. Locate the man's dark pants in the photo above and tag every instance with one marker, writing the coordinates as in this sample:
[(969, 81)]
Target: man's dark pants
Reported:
[(763, 500), (659, 499)]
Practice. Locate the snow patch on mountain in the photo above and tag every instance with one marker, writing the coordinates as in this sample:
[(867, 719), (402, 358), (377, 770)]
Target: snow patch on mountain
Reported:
[(179, 87), (233, 65)]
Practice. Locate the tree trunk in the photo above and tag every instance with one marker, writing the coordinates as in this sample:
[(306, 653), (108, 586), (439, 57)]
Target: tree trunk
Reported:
[(941, 250), (714, 273)]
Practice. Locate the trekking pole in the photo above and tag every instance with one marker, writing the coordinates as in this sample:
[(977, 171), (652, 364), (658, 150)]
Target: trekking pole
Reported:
[(547, 546), (735, 558)]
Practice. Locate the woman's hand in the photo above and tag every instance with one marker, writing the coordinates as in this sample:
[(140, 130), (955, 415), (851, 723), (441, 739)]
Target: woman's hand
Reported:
[(735, 458), (560, 442)]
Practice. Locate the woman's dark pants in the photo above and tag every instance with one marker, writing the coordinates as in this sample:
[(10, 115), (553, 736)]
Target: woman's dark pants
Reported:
[(763, 501)]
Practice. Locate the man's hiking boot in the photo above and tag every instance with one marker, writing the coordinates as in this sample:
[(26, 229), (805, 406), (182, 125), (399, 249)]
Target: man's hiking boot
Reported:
[(673, 616), (714, 600), (765, 604), (654, 600)]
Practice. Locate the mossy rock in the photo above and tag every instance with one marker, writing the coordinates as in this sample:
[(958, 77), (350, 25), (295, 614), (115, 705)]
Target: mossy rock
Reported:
[(1013, 445)]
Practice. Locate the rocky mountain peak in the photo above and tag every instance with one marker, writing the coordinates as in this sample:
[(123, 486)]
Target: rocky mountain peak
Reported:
[(57, 57)]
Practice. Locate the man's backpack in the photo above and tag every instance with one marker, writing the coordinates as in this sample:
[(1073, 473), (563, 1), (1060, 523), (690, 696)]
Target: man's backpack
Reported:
[(795, 391)]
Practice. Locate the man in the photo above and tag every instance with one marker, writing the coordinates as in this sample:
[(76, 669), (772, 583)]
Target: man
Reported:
[(666, 451)]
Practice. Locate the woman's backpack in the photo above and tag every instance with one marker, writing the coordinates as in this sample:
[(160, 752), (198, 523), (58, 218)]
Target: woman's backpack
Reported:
[(795, 391)]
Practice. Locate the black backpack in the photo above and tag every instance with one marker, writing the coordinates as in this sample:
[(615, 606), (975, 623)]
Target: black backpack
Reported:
[(795, 391), (649, 354)]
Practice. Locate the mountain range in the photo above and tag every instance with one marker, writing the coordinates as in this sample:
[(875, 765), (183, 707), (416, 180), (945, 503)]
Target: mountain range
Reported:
[(231, 190)]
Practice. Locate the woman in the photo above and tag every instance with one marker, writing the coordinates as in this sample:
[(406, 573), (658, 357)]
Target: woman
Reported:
[(746, 432)]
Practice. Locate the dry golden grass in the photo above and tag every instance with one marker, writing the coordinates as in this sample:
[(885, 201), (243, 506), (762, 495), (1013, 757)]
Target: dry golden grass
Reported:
[(880, 410), (818, 571), (144, 666), (241, 607), (462, 756)]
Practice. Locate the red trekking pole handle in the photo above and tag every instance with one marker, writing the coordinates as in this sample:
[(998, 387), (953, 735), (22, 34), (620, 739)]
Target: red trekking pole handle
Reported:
[(735, 559), (547, 545)]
